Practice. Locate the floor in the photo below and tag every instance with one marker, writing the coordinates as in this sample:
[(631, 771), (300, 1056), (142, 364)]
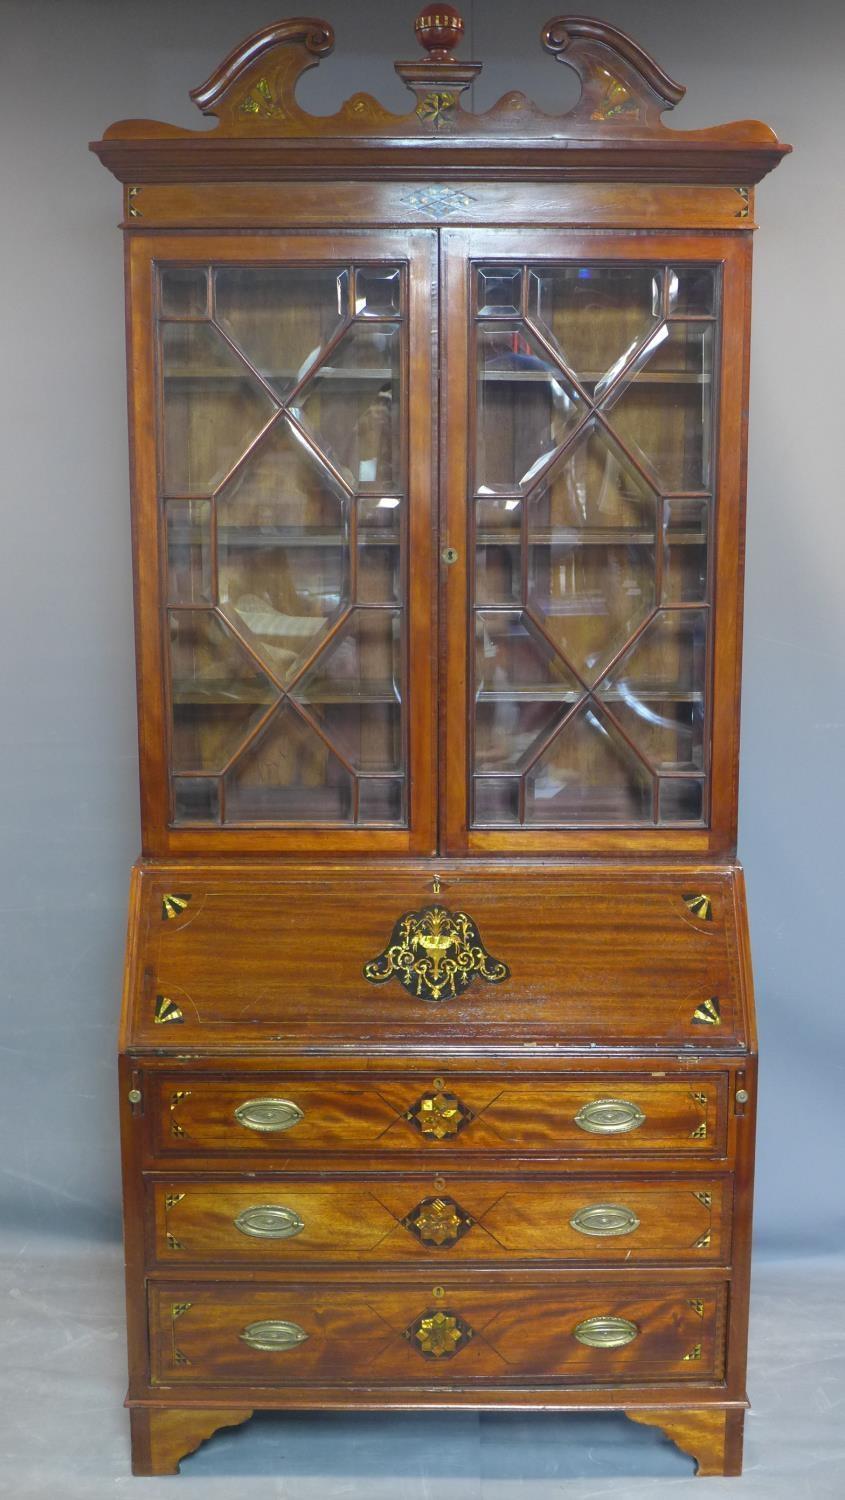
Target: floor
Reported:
[(63, 1431)]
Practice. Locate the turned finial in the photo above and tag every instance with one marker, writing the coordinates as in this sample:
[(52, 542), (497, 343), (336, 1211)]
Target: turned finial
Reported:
[(439, 28)]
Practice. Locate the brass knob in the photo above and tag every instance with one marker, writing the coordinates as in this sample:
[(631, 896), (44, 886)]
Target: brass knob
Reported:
[(134, 1096), (742, 1096)]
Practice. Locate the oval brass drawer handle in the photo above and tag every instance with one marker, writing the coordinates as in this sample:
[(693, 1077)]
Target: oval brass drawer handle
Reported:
[(266, 1115), (602, 1219), (606, 1332), (270, 1221), (609, 1117), (273, 1335)]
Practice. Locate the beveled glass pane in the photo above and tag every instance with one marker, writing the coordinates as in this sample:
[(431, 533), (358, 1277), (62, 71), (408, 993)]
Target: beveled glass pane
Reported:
[(498, 575), (283, 550), (514, 661), (692, 290), (188, 526), (213, 407), (499, 290), (288, 775), (379, 580), (681, 801), (595, 315), (360, 663), (184, 292), (351, 406), (378, 291), (526, 407), (592, 551), (685, 527), (657, 689), (662, 409), (495, 800), (508, 731), (196, 799), (282, 318), (381, 800), (588, 775), (218, 692), (368, 735)]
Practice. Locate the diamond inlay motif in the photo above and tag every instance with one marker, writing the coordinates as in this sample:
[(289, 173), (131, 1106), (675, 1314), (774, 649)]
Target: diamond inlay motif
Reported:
[(439, 1115), (438, 1222), (438, 1335)]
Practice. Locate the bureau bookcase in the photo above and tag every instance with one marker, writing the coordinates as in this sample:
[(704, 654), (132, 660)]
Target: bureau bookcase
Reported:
[(437, 1058)]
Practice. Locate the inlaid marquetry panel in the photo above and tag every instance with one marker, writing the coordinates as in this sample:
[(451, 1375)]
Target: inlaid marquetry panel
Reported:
[(412, 1334), (199, 1116), (277, 1221)]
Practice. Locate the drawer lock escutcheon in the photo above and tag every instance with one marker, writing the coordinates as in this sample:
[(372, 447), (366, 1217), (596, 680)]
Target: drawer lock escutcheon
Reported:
[(270, 1221), (273, 1336), (606, 1332), (609, 1117), (267, 1115), (604, 1219)]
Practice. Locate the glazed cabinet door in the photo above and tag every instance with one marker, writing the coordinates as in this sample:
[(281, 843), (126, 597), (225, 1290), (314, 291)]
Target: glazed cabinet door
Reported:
[(594, 422), (281, 407)]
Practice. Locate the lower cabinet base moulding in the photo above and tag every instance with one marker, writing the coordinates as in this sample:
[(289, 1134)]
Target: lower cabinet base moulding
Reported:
[(162, 1436)]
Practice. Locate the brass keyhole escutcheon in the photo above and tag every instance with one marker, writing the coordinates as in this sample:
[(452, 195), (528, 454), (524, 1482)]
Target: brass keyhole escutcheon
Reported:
[(439, 1184), (438, 1292), (440, 1083), (449, 555)]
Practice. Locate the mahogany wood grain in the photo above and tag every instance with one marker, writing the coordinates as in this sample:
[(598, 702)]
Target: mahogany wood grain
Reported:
[(261, 972), (163, 1436), (470, 1116), (196, 1333), (594, 958), (420, 1220), (712, 1436)]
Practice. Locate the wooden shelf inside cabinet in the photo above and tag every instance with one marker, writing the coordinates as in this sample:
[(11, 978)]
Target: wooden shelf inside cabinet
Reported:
[(438, 974)]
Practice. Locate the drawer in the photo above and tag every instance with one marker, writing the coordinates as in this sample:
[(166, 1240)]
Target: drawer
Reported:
[(274, 1221), (412, 1334), (580, 1115)]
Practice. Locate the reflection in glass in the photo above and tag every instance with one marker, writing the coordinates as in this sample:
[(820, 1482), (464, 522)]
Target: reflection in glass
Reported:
[(219, 694), (656, 690), (379, 556), (213, 407), (351, 406), (513, 659), (526, 408), (595, 315), (681, 801), (592, 550), (360, 663), (282, 507), (499, 291), (288, 775), (509, 730), (380, 800), (663, 409), (594, 426), (283, 555), (692, 291), (378, 291), (196, 799), (282, 318), (588, 775), (496, 800), (188, 527), (685, 525), (184, 292)]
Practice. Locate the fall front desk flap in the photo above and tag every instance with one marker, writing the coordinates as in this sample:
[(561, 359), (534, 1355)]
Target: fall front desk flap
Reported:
[(249, 957)]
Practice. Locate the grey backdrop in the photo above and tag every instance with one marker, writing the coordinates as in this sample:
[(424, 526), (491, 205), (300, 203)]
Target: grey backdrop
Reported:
[(67, 714)]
